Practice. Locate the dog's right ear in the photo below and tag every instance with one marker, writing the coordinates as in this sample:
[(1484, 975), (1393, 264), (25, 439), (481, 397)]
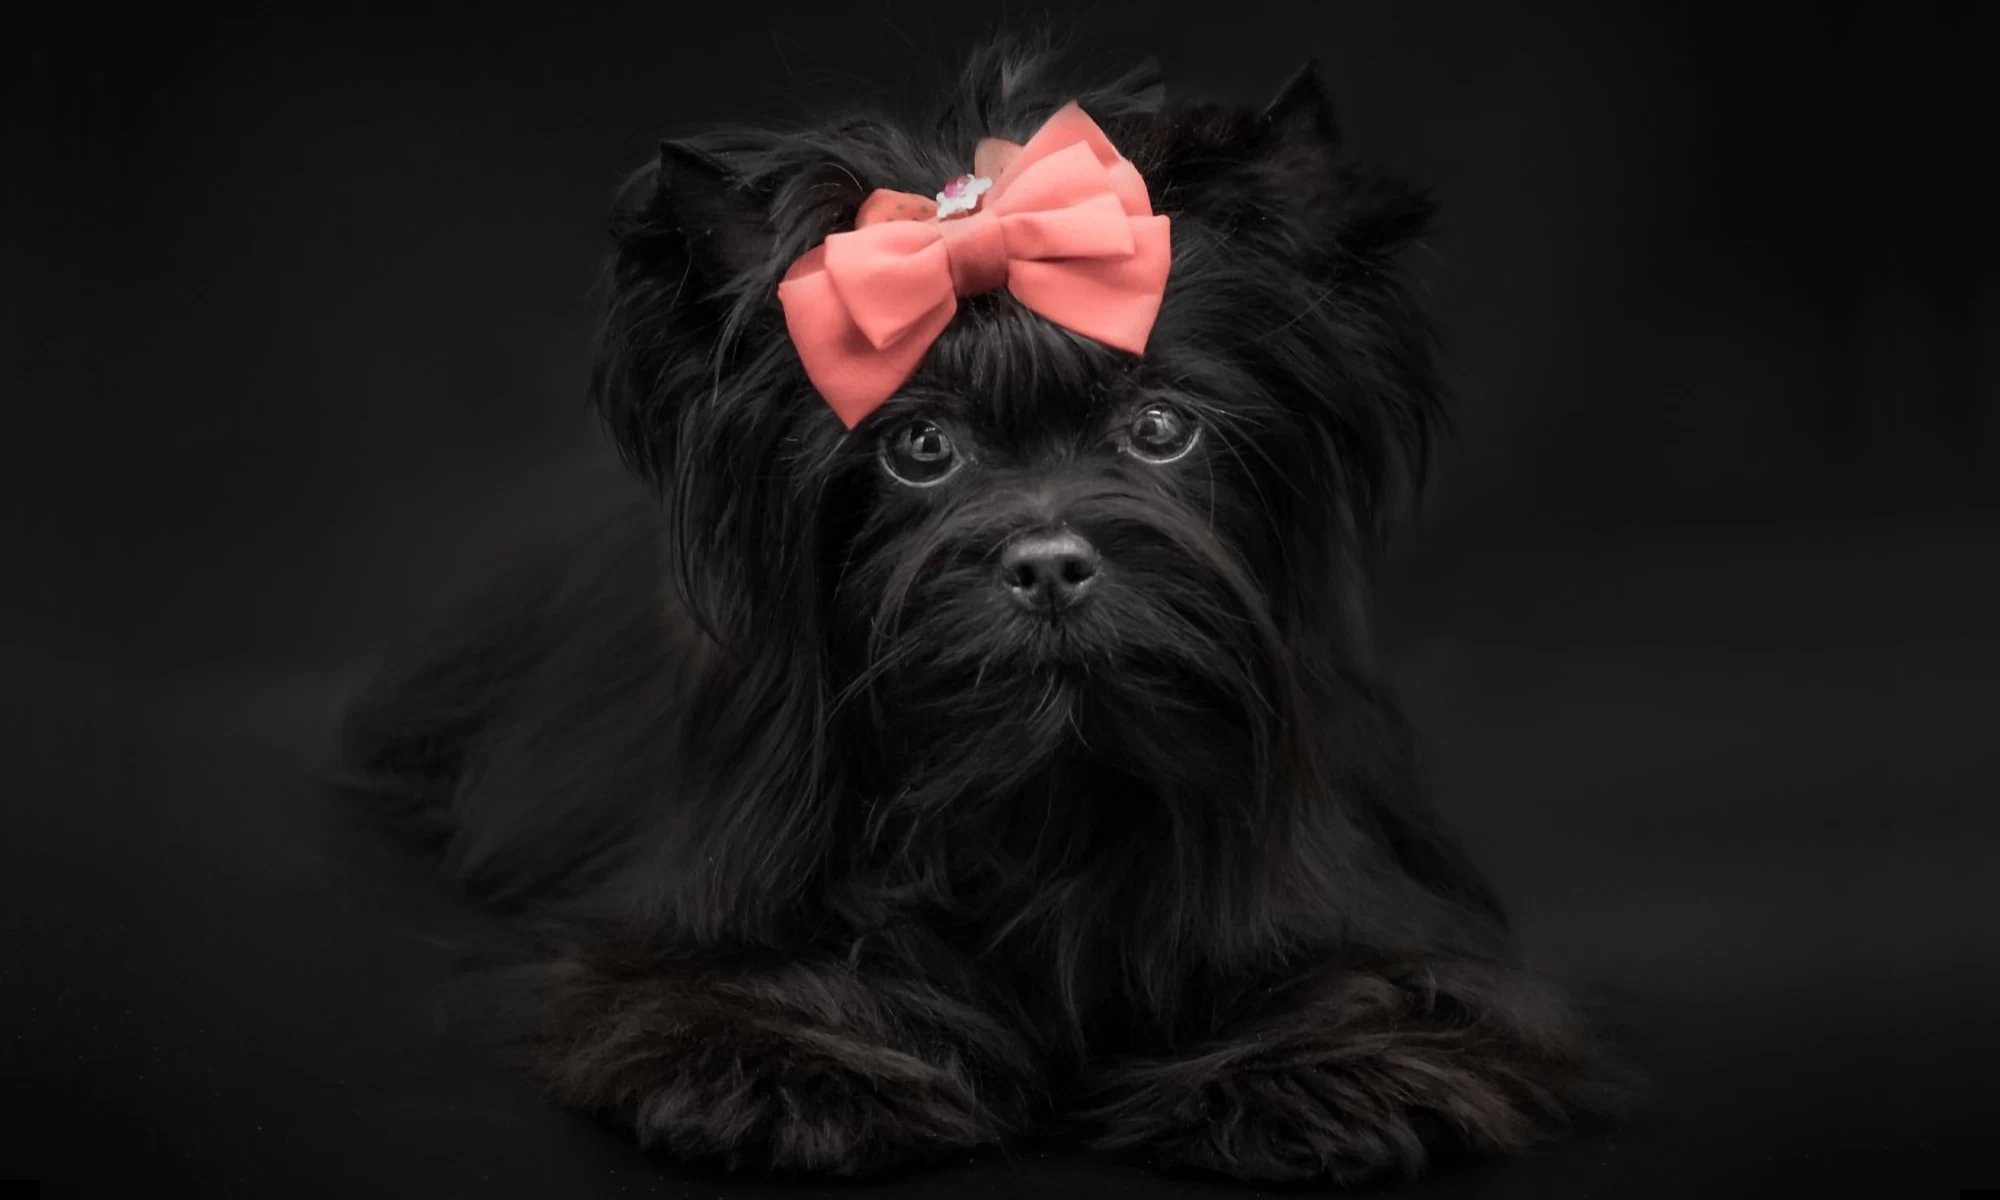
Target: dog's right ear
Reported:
[(722, 220), (691, 235)]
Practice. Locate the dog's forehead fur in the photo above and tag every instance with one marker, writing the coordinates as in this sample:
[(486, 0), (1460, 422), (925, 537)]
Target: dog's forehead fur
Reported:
[(1012, 379)]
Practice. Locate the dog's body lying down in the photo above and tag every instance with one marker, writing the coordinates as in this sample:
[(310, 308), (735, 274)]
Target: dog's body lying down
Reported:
[(1009, 765)]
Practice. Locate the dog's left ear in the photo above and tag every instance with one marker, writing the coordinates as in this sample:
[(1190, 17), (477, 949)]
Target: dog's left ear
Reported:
[(1268, 205), (1282, 168), (1298, 138), (1303, 111)]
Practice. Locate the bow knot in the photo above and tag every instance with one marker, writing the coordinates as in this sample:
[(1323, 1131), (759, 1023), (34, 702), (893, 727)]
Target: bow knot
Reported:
[(976, 248), (1065, 226)]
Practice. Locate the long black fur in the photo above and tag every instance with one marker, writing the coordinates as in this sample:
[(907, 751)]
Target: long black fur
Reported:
[(834, 861)]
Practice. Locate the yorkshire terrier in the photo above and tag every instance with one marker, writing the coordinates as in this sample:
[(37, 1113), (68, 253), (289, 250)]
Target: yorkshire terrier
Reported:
[(966, 731)]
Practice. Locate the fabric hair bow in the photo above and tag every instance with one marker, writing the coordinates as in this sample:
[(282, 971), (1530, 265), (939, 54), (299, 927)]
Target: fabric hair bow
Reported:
[(1063, 223)]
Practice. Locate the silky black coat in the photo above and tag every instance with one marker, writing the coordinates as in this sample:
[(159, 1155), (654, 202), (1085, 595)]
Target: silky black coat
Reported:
[(834, 858)]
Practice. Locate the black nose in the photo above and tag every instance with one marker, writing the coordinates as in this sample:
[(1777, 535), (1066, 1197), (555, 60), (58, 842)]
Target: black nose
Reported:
[(1048, 571)]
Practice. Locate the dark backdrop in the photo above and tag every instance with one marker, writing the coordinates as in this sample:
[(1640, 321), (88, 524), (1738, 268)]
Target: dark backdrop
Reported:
[(1699, 619)]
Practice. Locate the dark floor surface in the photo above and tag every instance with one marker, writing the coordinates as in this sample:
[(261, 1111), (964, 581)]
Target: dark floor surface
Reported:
[(1748, 779)]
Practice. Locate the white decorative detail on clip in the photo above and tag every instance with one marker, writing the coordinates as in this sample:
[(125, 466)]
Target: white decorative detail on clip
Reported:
[(961, 195)]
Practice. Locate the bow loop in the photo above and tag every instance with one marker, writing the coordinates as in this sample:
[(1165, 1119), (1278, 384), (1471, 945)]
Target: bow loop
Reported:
[(1093, 228), (1110, 300), (889, 276)]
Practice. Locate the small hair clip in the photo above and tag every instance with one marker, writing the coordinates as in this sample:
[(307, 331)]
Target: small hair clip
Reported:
[(961, 195)]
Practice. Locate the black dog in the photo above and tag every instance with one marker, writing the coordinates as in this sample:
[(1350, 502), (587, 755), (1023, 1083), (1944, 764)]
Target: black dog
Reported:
[(1010, 763)]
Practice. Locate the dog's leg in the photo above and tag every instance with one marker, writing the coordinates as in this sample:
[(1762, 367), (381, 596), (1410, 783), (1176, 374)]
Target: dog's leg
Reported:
[(1351, 1074), (810, 1066)]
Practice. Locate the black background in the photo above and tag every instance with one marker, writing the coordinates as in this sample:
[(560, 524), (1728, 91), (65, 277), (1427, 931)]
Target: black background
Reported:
[(1699, 620)]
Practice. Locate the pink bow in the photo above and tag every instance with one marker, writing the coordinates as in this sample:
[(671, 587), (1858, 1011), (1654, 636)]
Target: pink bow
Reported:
[(1066, 226)]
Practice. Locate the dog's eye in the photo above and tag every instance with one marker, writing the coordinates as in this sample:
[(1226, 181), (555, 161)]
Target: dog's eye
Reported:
[(1161, 433), (919, 454)]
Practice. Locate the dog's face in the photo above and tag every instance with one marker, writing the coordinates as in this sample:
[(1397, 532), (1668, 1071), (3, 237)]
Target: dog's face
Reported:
[(1039, 547)]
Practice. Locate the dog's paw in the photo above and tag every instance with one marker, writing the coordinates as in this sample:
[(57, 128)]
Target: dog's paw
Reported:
[(1266, 1125), (791, 1067), (1372, 1081), (834, 1107)]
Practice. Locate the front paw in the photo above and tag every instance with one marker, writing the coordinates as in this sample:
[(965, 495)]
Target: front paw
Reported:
[(790, 1068), (1266, 1123), (819, 1105)]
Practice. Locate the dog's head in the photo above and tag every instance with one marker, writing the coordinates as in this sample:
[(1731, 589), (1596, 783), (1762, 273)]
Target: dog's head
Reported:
[(1038, 542)]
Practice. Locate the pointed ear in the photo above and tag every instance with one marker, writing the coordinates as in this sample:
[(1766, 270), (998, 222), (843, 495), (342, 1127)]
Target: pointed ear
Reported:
[(691, 381), (1376, 215), (689, 233), (1303, 111), (1256, 166), (723, 222), (1269, 210)]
